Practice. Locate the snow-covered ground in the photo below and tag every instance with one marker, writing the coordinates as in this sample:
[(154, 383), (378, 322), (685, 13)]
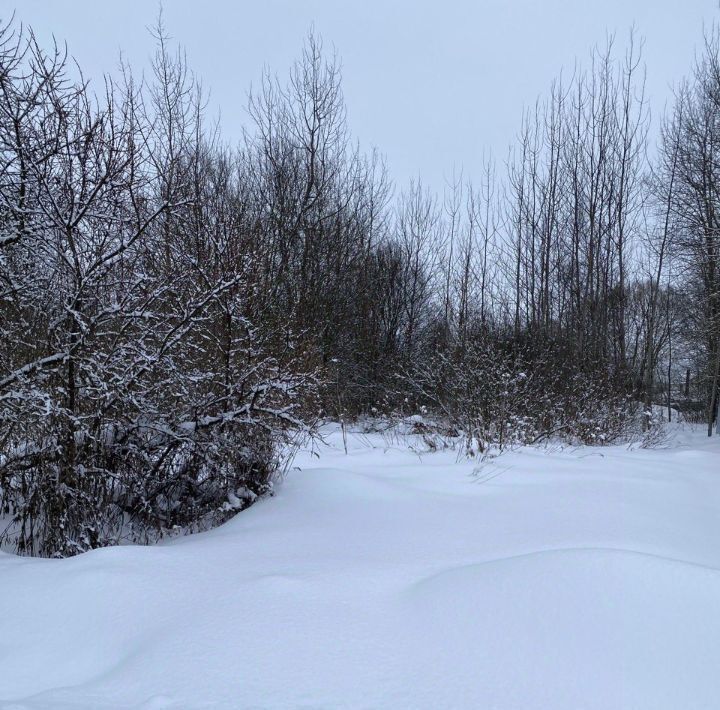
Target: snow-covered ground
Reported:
[(550, 579)]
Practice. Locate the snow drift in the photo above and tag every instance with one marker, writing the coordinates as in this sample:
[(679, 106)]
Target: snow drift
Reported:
[(383, 578)]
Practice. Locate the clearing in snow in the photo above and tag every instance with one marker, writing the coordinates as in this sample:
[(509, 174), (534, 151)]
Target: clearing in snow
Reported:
[(553, 579)]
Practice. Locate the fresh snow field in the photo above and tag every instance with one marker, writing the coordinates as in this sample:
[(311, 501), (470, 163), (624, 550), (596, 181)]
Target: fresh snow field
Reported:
[(553, 579)]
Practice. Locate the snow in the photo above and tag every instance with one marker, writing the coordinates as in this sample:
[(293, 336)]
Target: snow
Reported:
[(382, 578)]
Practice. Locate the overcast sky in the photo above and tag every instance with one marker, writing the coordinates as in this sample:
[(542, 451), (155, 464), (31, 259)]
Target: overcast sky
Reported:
[(433, 85)]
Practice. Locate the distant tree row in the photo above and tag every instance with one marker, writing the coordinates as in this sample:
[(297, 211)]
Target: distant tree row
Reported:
[(175, 315)]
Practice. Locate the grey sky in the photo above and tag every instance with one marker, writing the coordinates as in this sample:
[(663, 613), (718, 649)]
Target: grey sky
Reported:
[(432, 84)]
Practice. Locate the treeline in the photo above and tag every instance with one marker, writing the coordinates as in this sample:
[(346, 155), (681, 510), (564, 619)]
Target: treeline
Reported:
[(175, 314)]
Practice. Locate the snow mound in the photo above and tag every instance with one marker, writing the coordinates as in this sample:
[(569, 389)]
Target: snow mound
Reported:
[(565, 579)]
